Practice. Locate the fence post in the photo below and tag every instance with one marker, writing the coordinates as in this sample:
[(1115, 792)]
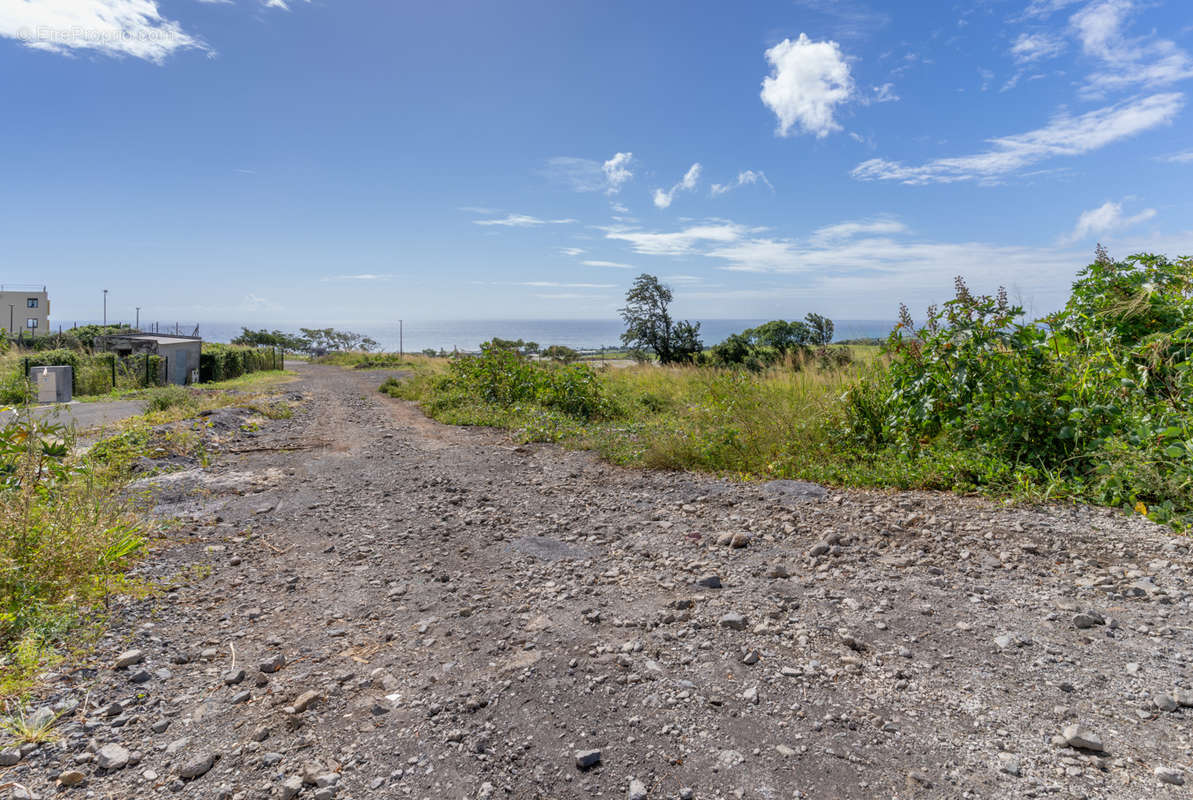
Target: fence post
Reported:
[(166, 362), (113, 372), (146, 369)]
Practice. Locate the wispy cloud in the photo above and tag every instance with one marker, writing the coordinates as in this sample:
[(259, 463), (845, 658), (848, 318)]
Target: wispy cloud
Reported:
[(1104, 219), (363, 276), (556, 285), (1029, 47), (1063, 136), (521, 221), (612, 264), (662, 199), (1127, 61), (744, 178), (808, 81), (678, 243), (572, 251), (1178, 158), (587, 175), (829, 234), (111, 27)]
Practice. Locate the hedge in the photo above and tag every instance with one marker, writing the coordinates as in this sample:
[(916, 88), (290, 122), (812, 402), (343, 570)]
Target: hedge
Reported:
[(220, 362)]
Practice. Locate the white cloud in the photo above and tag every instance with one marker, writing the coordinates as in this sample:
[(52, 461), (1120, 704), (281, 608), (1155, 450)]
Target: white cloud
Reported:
[(572, 251), (363, 276), (662, 199), (612, 264), (1104, 219), (1178, 158), (678, 243), (885, 94), (849, 230), (808, 81), (1063, 136), (1148, 61), (587, 175), (744, 178), (617, 171), (521, 221), (1031, 47), (554, 284), (112, 27)]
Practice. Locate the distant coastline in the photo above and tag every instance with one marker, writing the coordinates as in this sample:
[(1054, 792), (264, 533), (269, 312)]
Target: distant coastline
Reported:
[(468, 334)]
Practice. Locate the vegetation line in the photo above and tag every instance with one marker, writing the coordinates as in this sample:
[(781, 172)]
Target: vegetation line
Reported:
[(1088, 404)]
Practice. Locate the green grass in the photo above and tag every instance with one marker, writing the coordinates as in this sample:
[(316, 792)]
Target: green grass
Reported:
[(776, 424)]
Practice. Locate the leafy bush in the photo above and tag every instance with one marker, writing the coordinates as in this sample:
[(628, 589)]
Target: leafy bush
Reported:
[(221, 362), (166, 397), (502, 377), (64, 534), (1089, 402)]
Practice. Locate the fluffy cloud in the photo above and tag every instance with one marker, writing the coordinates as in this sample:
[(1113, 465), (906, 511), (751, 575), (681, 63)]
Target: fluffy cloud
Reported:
[(808, 81), (587, 175), (744, 178), (662, 199), (1063, 136), (1104, 219), (521, 221), (111, 27), (617, 171)]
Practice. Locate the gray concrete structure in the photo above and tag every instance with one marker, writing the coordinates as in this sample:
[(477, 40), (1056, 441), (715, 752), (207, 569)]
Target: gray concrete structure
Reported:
[(53, 384), (181, 352)]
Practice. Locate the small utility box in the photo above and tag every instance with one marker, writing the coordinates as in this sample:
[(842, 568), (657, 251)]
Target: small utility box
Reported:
[(53, 384)]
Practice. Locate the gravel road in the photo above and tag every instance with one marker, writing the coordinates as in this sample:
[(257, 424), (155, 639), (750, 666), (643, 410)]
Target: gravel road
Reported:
[(361, 603)]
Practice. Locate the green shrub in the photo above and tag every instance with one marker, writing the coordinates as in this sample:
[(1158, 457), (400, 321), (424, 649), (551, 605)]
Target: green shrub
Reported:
[(221, 362), (166, 397), (1090, 402), (64, 534)]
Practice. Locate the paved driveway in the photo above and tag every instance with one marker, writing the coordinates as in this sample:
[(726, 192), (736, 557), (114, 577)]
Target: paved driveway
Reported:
[(83, 416)]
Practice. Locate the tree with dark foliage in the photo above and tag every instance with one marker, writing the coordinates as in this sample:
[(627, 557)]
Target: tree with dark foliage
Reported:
[(649, 326)]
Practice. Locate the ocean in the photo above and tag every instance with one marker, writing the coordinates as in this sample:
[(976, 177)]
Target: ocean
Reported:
[(467, 335)]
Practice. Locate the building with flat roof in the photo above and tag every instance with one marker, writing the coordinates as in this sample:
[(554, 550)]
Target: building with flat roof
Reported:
[(24, 308), (181, 353)]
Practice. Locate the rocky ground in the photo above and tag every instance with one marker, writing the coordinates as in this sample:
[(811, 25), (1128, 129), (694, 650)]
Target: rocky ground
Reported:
[(360, 603)]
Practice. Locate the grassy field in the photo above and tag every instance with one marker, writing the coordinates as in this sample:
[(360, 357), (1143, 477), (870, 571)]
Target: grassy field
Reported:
[(779, 423), (1089, 404)]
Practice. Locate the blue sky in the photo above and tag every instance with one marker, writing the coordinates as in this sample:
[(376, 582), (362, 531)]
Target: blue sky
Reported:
[(319, 162)]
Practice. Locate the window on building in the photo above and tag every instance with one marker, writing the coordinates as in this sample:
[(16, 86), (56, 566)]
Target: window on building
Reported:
[(31, 322), (31, 302)]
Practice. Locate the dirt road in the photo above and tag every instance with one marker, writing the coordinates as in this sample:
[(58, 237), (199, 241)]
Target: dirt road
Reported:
[(361, 603)]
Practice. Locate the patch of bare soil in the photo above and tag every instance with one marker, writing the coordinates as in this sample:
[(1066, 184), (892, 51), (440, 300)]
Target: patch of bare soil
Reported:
[(364, 604)]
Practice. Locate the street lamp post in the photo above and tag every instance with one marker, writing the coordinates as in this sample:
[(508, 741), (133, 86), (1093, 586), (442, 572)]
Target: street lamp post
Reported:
[(105, 308)]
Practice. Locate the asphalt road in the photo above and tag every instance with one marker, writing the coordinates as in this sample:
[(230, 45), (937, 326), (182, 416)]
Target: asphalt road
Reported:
[(83, 416)]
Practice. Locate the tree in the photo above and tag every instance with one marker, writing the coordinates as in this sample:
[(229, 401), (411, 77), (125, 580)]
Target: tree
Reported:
[(649, 326), (821, 329), (784, 337), (737, 351), (561, 353)]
